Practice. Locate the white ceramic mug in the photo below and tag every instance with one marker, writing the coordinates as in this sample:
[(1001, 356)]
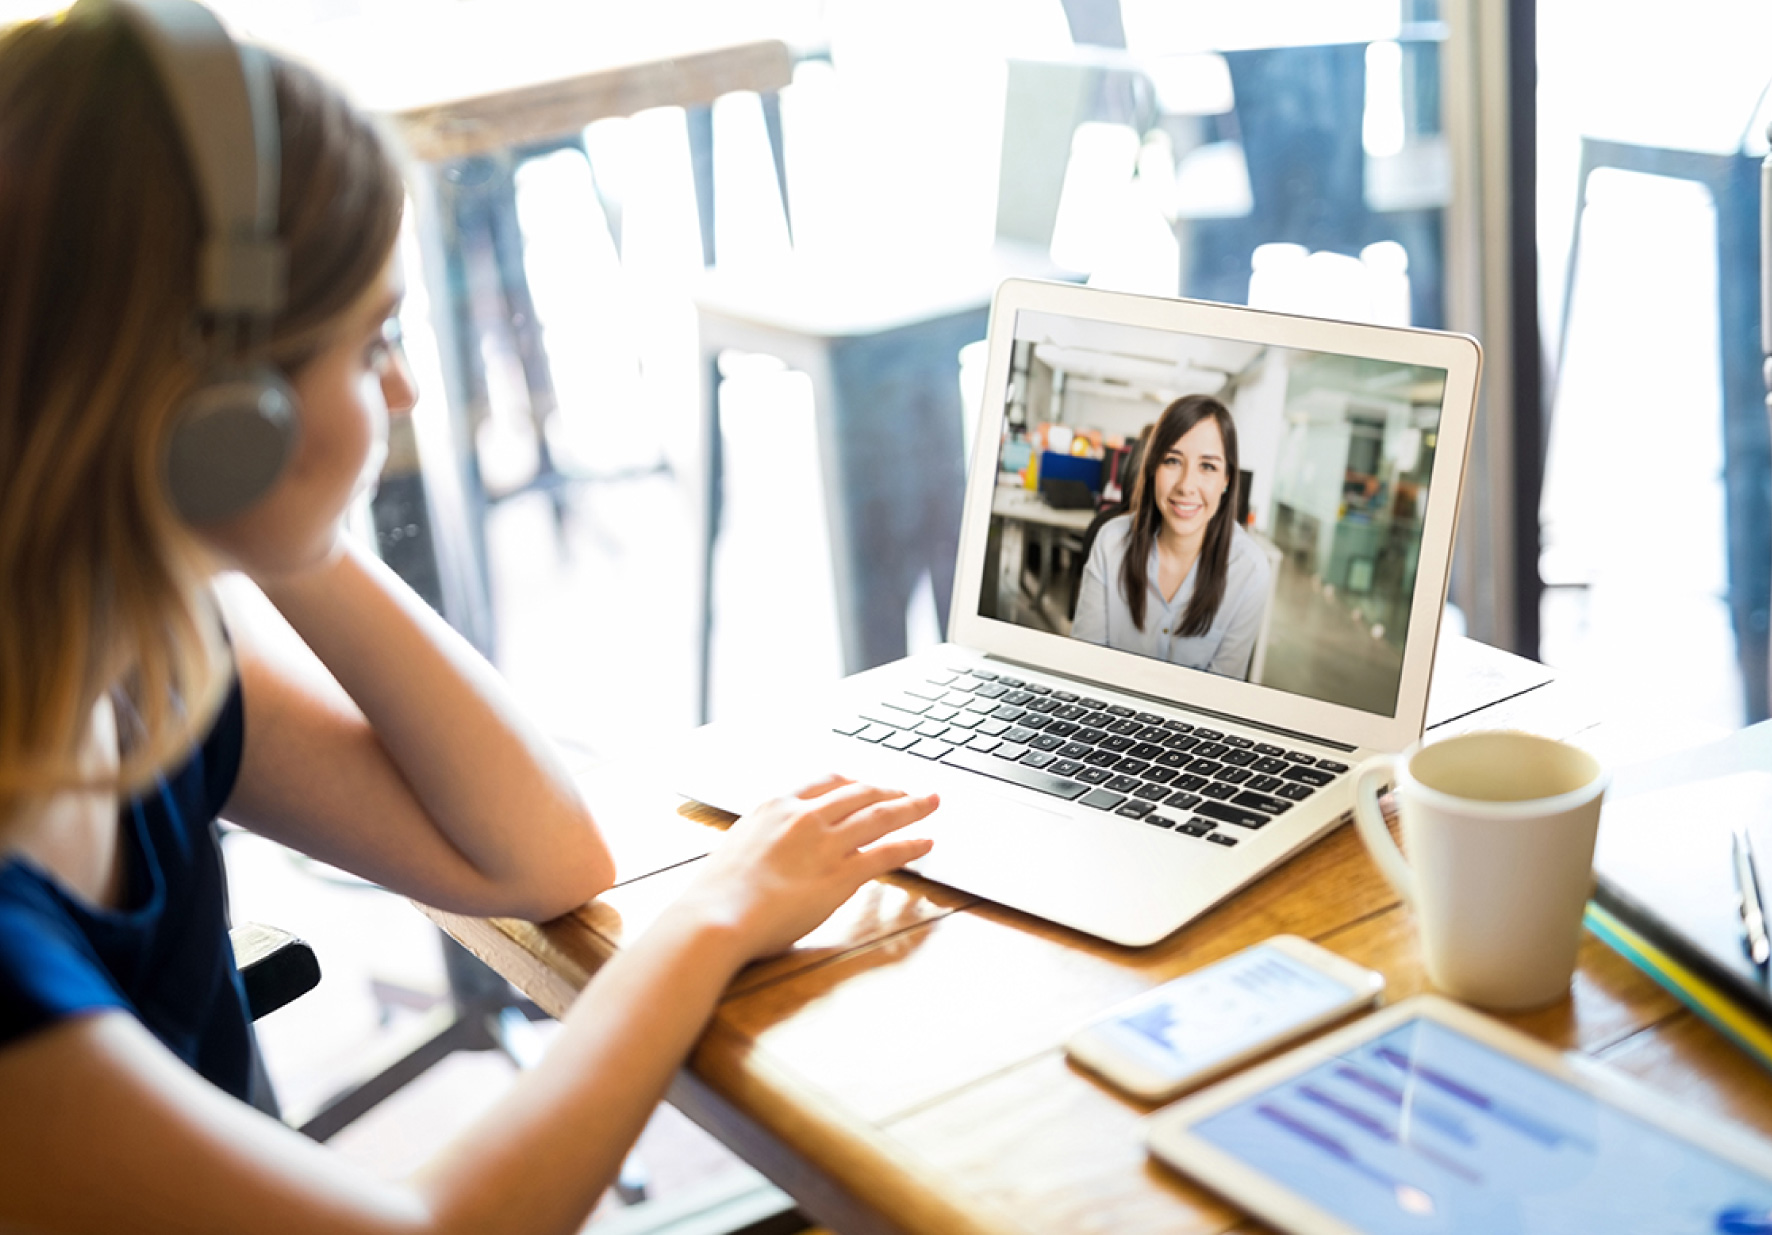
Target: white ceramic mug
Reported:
[(1499, 828)]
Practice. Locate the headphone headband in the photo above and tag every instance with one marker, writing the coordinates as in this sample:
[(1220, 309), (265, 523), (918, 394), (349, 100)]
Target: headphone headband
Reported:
[(226, 106), (238, 428)]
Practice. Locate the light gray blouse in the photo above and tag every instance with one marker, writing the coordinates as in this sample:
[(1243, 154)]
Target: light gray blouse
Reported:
[(1225, 648)]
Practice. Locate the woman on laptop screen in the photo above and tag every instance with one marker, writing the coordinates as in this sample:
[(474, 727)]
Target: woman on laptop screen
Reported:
[(1176, 578)]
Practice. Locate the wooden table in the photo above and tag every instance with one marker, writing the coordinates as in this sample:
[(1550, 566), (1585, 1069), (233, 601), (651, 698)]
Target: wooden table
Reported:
[(903, 1069)]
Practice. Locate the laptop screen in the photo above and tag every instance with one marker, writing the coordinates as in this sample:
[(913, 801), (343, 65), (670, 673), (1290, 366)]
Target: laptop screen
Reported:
[(1230, 506)]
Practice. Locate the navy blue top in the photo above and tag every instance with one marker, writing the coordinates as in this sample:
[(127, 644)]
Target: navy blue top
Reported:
[(164, 956)]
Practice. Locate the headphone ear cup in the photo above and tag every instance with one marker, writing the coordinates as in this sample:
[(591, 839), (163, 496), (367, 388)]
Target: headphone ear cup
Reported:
[(232, 441)]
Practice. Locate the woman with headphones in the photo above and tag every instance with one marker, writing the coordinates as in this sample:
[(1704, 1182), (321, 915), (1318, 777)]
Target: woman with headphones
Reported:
[(196, 366)]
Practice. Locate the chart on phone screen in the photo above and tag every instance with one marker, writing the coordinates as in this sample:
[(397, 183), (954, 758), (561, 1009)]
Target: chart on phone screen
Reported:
[(1233, 1004)]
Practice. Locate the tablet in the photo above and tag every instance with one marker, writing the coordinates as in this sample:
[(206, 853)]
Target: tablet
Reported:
[(1429, 1117)]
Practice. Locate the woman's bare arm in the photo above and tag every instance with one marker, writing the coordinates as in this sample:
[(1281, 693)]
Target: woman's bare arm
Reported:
[(103, 1130), (389, 747)]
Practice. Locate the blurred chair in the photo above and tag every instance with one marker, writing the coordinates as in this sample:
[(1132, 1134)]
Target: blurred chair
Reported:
[(1733, 182), (881, 346)]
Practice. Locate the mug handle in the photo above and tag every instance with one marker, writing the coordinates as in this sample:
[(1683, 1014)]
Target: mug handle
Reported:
[(1370, 821)]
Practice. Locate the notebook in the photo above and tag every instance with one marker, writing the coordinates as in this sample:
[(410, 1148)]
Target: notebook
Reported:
[(1120, 778), (1664, 870)]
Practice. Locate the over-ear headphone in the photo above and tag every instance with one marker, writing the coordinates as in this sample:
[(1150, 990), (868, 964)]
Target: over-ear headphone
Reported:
[(237, 431)]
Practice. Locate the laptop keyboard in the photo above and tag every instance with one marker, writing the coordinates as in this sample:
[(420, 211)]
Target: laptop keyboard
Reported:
[(1193, 780)]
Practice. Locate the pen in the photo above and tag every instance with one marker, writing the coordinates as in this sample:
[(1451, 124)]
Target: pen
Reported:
[(1753, 910)]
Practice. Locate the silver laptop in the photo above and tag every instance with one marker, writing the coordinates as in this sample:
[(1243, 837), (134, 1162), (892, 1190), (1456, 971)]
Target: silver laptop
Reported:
[(1122, 776)]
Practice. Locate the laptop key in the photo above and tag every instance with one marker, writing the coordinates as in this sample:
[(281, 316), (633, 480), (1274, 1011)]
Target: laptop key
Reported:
[(1268, 748), (1219, 838), (1190, 782), (876, 733), (1090, 735), (1033, 720), (1075, 750), (1093, 776), (1261, 802), (1219, 789), (1064, 696), (1018, 698), (1045, 741), (1116, 742), (1235, 776), (983, 743), (942, 711), (1329, 765), (1122, 783), (1066, 767), (931, 748), (901, 741), (1174, 759), (926, 691), (1238, 758), (850, 727), (1182, 800), (1212, 750), (1145, 750), (1238, 743), (1132, 767), (1161, 775), (907, 704), (1195, 827), (1018, 734), (1265, 784), (1133, 809), (966, 720), (983, 675), (1149, 718), (1152, 793), (1180, 726), (1159, 821), (991, 690), (1308, 776), (1034, 688), (1016, 774), (1224, 812), (955, 737), (1117, 710), (1125, 727), (1268, 765), (1208, 735), (993, 727), (1060, 728), (1038, 758), (1070, 711), (1296, 791), (1101, 799), (1181, 741), (930, 729), (1102, 758), (1012, 683), (1010, 750), (1205, 767), (1005, 712)]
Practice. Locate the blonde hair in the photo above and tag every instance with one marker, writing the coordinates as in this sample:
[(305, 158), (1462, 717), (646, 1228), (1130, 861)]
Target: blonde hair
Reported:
[(102, 588)]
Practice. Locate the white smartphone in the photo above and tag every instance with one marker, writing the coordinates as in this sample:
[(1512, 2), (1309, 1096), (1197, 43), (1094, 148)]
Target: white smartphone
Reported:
[(1206, 1023)]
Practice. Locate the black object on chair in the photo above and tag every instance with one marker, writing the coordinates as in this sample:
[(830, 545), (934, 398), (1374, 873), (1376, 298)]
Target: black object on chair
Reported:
[(275, 966)]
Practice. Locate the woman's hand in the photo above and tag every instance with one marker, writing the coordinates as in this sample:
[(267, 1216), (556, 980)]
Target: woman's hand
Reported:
[(788, 865)]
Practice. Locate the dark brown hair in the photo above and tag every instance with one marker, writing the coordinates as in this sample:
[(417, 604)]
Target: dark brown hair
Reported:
[(1215, 555), (101, 586)]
